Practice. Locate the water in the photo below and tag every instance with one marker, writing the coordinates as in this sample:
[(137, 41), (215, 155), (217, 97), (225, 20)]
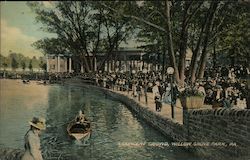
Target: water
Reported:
[(113, 124)]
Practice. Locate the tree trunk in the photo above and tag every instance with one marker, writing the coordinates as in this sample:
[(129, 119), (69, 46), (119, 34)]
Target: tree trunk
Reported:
[(170, 42), (164, 60), (204, 55), (85, 62), (91, 65), (194, 61), (183, 41), (214, 55), (193, 65), (183, 48)]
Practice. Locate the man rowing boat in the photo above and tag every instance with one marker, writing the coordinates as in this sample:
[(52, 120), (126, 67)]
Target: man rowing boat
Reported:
[(80, 118)]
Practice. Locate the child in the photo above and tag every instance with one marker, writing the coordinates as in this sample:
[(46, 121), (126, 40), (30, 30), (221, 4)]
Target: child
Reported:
[(158, 104)]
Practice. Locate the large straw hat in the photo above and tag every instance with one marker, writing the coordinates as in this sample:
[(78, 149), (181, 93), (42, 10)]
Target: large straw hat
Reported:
[(38, 123)]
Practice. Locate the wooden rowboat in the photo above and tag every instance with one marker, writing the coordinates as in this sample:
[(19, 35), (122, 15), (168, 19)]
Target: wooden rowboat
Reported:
[(79, 131), (26, 81)]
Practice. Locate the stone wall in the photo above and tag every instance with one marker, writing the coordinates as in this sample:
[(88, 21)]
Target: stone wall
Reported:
[(222, 133), (229, 126), (166, 126)]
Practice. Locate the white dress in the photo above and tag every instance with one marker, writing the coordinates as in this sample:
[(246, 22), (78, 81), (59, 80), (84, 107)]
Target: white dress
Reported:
[(155, 91), (167, 96), (32, 146)]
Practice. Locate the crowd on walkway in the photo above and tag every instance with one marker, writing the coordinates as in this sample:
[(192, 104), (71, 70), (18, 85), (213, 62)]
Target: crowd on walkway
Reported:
[(221, 86), (224, 87)]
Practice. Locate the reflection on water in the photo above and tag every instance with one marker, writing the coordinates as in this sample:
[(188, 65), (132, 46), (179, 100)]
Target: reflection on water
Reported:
[(18, 104), (112, 123)]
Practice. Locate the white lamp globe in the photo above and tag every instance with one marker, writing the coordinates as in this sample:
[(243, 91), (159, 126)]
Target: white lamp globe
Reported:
[(170, 70), (144, 71)]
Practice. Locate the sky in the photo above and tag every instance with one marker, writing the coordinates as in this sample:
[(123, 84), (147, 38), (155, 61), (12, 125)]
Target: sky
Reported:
[(19, 29)]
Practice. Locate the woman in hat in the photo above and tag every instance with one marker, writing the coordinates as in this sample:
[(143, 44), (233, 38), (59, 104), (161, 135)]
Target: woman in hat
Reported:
[(32, 140), (167, 94)]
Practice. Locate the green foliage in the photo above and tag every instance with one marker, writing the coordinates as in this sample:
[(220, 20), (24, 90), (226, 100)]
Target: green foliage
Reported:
[(81, 27), (189, 92), (30, 66), (14, 63), (43, 65), (23, 64), (234, 38), (84, 27), (3, 62), (51, 46), (20, 60)]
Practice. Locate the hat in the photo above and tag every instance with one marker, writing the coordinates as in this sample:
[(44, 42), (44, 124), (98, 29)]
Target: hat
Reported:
[(218, 87), (38, 123)]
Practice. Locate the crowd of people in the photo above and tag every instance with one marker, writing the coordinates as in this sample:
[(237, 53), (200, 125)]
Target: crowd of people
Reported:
[(226, 88), (222, 86)]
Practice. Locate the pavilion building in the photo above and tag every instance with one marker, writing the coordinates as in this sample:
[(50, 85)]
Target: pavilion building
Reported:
[(124, 59)]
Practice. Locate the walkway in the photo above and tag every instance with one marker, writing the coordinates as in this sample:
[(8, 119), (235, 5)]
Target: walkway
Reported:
[(166, 108)]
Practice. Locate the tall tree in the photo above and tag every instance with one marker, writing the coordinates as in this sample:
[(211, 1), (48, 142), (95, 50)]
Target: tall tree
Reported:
[(14, 63), (23, 64), (30, 66), (208, 29)]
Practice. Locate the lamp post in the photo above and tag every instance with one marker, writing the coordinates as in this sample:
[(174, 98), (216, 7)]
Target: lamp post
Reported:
[(170, 71)]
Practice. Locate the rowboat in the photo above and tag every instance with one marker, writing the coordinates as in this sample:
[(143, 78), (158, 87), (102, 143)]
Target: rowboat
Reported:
[(79, 131), (26, 81)]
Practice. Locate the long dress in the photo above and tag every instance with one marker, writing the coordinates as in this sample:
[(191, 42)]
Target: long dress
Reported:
[(166, 97), (32, 146), (155, 91)]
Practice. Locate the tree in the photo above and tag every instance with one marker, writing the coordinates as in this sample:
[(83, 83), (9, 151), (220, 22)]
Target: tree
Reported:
[(118, 30), (186, 24), (14, 64), (23, 64), (5, 65), (82, 28), (51, 46), (72, 23), (68, 21), (86, 28), (30, 66), (42, 65), (4, 62), (233, 41)]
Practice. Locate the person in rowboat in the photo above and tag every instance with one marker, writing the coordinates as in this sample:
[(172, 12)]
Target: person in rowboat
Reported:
[(32, 140), (80, 118)]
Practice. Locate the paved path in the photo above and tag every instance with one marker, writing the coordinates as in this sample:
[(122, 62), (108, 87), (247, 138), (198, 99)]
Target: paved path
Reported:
[(166, 108)]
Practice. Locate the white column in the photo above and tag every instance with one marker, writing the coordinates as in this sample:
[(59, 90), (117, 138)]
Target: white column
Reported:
[(58, 63), (141, 66), (70, 69), (81, 68), (95, 65), (105, 66), (126, 63), (47, 63), (65, 64), (136, 65)]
